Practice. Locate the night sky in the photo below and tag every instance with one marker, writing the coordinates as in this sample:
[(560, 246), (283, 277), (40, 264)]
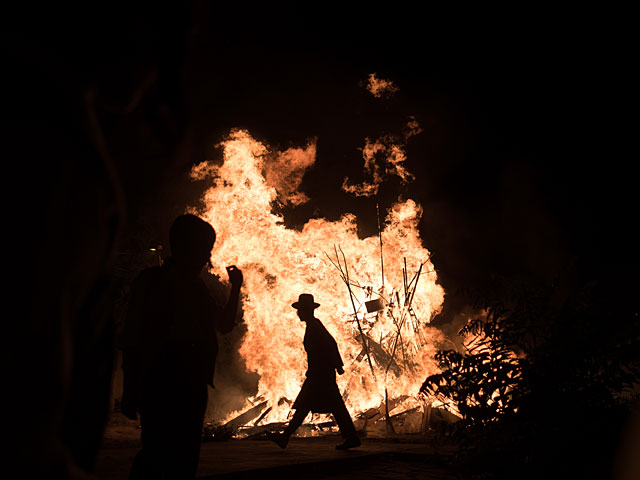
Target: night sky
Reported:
[(520, 167)]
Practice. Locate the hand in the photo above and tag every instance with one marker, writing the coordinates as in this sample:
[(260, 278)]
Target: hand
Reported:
[(235, 275)]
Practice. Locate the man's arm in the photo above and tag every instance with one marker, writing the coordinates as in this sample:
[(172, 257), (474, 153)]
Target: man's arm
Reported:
[(228, 320), (337, 359)]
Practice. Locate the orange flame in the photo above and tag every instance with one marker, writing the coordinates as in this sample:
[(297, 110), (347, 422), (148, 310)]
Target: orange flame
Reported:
[(384, 158), (379, 87), (280, 263)]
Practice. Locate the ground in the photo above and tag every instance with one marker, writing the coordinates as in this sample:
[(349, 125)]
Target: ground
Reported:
[(393, 457)]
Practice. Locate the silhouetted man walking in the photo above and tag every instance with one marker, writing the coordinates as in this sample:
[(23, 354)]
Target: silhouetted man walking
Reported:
[(170, 352), (319, 392)]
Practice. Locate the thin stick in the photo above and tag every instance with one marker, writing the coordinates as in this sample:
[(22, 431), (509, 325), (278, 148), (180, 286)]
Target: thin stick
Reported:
[(264, 414), (353, 283), (349, 281), (355, 311), (386, 408), (403, 318), (404, 353), (420, 269), (415, 287), (395, 344), (404, 278), (380, 237), (393, 353)]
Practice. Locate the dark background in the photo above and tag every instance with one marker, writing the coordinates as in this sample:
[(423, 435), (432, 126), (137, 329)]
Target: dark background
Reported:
[(520, 167)]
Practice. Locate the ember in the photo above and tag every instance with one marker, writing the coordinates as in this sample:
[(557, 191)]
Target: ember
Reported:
[(379, 317)]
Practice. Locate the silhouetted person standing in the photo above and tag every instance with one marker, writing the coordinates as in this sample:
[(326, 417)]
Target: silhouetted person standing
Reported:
[(170, 352), (319, 393)]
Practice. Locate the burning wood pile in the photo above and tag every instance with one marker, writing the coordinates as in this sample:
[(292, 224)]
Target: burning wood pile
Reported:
[(390, 352), (384, 351), (377, 307), (374, 422)]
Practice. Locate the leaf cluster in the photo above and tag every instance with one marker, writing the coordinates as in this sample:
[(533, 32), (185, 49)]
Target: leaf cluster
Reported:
[(544, 370)]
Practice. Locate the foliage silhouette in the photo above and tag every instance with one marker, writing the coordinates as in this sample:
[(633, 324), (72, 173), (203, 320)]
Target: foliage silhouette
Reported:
[(546, 378)]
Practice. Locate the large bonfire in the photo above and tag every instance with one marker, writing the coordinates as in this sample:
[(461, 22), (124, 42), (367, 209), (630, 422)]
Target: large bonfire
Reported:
[(377, 294)]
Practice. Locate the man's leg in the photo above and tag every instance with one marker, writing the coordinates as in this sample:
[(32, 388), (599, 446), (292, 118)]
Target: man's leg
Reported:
[(296, 421), (185, 451), (148, 463), (187, 436), (345, 424), (343, 419), (281, 439), (171, 432)]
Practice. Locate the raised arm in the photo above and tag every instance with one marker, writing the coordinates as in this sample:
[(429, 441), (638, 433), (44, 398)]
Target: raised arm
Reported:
[(228, 320)]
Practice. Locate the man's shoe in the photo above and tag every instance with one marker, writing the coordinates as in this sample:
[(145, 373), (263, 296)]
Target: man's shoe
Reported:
[(278, 438), (350, 442)]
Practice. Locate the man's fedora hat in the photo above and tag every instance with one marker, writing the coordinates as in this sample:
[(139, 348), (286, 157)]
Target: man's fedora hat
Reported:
[(305, 300)]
